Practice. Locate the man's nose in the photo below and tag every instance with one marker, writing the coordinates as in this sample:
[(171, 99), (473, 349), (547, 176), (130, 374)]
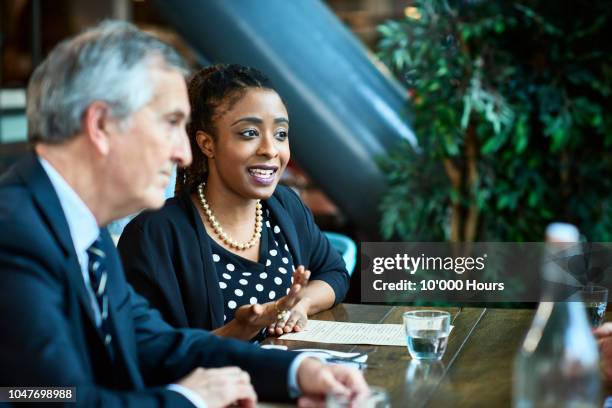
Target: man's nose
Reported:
[(181, 153)]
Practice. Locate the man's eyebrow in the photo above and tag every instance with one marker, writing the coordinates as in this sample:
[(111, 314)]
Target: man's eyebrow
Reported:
[(177, 112)]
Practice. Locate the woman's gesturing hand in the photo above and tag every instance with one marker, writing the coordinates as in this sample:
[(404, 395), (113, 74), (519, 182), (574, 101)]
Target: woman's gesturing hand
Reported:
[(267, 314), (296, 316)]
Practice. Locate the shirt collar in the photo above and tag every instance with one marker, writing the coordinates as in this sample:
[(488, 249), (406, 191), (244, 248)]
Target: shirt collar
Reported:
[(82, 224)]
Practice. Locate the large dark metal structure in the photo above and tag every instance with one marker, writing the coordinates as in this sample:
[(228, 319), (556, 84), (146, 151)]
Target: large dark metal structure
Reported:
[(344, 112)]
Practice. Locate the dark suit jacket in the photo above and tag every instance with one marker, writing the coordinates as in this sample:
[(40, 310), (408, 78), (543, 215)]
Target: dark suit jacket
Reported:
[(167, 257), (47, 332)]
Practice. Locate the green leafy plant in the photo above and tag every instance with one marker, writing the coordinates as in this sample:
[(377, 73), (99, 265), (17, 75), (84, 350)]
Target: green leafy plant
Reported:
[(510, 103)]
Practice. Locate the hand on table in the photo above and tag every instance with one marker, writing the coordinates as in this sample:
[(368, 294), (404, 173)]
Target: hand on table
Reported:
[(603, 334), (266, 314), (298, 309), (316, 380), (221, 387)]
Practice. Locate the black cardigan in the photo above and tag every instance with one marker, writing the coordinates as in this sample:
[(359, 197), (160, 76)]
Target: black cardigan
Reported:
[(167, 257)]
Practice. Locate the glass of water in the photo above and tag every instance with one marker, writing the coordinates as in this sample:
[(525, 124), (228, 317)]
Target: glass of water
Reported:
[(427, 333), (595, 300), (377, 397)]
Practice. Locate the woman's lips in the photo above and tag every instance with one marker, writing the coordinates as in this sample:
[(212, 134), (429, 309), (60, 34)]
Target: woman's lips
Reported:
[(263, 175)]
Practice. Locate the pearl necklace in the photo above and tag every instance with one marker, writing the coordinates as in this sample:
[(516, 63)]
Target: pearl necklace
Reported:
[(222, 234)]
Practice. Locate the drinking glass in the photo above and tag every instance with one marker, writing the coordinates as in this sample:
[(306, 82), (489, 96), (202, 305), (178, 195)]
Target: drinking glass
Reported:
[(427, 333), (377, 397), (595, 300)]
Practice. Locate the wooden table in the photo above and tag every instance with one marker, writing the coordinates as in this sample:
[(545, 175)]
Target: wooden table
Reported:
[(476, 370)]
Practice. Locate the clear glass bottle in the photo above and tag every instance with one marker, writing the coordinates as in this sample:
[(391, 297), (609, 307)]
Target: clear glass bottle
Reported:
[(558, 362)]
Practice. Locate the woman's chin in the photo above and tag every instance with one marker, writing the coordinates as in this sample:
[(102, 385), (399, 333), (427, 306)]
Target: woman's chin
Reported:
[(263, 192)]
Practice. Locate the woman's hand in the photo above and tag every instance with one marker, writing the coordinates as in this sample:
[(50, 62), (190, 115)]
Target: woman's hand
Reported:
[(298, 318), (297, 308), (258, 316)]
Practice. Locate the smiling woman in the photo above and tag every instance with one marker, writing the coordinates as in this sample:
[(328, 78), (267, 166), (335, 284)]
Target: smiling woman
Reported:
[(233, 251)]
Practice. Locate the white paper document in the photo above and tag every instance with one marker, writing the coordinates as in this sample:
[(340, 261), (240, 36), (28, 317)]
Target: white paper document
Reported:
[(350, 333)]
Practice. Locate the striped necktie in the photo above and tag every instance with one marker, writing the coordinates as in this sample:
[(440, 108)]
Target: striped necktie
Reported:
[(98, 276)]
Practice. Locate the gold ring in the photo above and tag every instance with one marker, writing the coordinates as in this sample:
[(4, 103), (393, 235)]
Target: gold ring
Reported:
[(281, 315)]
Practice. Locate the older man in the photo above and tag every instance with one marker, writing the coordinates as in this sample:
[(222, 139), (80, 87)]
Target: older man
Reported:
[(106, 114)]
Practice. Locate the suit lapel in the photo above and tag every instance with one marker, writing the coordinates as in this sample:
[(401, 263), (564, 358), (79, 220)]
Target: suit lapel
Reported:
[(120, 332), (45, 197), (34, 176)]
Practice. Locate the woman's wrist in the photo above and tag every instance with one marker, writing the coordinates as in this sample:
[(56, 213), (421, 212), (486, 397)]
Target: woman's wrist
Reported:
[(305, 304)]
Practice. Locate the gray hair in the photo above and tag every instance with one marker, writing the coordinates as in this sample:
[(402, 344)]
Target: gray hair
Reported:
[(110, 62)]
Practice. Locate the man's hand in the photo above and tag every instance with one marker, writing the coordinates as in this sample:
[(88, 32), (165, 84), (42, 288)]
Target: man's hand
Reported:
[(603, 331), (603, 334), (221, 387), (316, 380)]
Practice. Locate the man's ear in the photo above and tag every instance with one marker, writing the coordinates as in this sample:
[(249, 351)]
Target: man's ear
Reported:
[(97, 125), (206, 143)]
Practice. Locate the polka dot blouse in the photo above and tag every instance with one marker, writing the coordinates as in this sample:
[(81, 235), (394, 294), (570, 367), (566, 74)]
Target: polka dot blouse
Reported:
[(243, 281)]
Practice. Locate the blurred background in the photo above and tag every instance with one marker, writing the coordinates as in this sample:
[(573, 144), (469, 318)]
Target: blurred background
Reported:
[(438, 120), (345, 112)]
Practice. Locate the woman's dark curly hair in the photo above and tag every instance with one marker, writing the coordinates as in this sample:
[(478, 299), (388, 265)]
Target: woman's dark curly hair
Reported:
[(210, 89)]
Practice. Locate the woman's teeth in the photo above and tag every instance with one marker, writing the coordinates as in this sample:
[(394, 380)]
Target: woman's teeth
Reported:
[(261, 172)]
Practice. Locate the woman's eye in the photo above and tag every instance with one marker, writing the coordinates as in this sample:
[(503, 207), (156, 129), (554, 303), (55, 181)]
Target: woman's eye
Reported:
[(249, 133), (281, 134)]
